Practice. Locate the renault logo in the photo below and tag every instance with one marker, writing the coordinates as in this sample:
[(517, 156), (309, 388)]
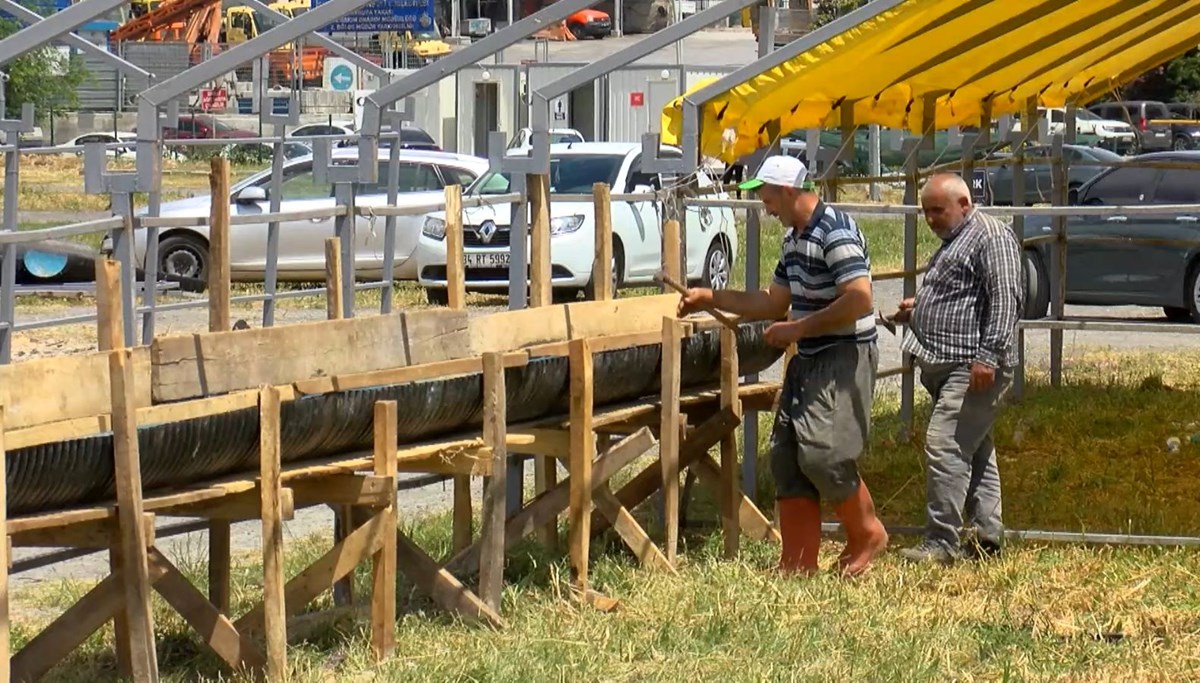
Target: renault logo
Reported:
[(486, 231)]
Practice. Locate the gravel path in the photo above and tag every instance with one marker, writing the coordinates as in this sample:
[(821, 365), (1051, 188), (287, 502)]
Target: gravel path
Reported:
[(246, 536)]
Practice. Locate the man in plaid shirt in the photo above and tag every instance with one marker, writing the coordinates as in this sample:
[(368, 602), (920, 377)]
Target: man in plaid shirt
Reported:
[(962, 327)]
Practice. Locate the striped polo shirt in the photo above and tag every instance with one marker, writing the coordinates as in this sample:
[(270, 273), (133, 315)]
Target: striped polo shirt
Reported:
[(829, 251)]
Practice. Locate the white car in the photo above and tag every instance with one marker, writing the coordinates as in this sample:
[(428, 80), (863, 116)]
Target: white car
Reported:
[(1115, 136), (130, 140), (183, 252), (309, 130), (711, 236), (524, 137)]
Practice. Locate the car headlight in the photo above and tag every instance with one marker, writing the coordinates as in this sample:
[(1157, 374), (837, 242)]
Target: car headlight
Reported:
[(434, 227), (564, 225)]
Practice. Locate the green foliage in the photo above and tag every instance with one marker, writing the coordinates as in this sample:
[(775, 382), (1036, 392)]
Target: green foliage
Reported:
[(1176, 81), (46, 77)]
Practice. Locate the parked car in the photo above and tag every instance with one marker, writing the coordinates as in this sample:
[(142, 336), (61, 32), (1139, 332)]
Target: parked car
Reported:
[(1157, 128), (183, 252), (203, 127), (524, 137), (1115, 273), (130, 140), (309, 130), (589, 23), (637, 227), (1039, 172)]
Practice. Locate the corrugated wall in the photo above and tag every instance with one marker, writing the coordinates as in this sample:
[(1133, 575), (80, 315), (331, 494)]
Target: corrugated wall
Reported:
[(635, 99)]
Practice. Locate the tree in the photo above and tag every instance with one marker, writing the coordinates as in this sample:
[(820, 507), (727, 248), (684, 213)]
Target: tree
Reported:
[(46, 77), (1176, 81)]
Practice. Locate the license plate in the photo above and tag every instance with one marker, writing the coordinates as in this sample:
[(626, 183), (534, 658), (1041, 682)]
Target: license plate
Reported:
[(486, 260)]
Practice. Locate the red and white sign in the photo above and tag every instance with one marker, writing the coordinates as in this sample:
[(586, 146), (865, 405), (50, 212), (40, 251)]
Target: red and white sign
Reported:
[(215, 98), (637, 99)]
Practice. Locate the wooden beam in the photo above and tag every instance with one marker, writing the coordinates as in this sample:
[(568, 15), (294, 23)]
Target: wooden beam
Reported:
[(469, 457), (346, 488), (547, 505), (334, 307), (69, 630), (48, 390), (191, 366), (404, 375), (128, 474), (672, 250), (274, 611), (630, 531), (441, 585), (668, 449), (491, 532), (5, 560), (609, 342), (383, 562), (751, 520), (238, 651), (540, 288), (97, 533), (730, 493), (619, 316), (463, 529), (602, 267), (219, 260), (234, 506), (582, 452), (695, 444), (456, 282)]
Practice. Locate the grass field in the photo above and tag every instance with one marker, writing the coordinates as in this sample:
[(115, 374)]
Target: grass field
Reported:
[(1089, 456)]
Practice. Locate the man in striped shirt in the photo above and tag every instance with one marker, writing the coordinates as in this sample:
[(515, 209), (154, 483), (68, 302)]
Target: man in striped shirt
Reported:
[(824, 279), (962, 325)]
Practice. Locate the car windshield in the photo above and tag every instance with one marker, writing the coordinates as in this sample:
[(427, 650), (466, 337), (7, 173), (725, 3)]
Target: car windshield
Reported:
[(569, 174)]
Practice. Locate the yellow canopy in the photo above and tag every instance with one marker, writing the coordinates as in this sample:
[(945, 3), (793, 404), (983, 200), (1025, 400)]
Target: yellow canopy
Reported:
[(963, 52)]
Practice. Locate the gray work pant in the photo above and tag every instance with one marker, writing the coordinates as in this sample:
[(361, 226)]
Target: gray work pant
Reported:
[(961, 475)]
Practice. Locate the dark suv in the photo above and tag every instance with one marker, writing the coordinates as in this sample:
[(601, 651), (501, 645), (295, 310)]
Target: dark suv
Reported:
[(1158, 128)]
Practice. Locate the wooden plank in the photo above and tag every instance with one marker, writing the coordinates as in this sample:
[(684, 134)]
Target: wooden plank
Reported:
[(456, 281), (243, 505), (729, 492), (545, 476), (511, 330), (463, 530), (402, 375), (5, 560), (48, 390), (128, 476), (751, 520), (109, 315), (441, 585), (219, 260), (619, 316), (214, 628), (97, 533), (602, 267), (220, 560), (668, 449), (547, 505), (582, 452), (470, 457), (540, 290), (551, 443), (494, 507), (630, 531), (345, 488), (69, 630), (383, 561), (697, 442), (334, 308), (321, 575), (274, 612), (609, 342), (190, 366)]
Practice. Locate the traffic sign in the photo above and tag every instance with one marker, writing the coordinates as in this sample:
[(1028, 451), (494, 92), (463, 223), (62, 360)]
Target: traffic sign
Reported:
[(384, 15), (341, 77)]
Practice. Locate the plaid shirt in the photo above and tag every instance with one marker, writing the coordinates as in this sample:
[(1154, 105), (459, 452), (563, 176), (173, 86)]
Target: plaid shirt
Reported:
[(971, 298)]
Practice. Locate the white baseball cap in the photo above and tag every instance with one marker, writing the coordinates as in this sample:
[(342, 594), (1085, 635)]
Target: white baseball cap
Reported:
[(782, 170)]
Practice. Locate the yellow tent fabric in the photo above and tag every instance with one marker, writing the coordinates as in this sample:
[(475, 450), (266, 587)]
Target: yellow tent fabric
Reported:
[(964, 53)]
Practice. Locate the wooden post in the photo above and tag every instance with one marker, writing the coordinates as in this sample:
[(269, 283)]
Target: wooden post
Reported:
[(668, 444), (1058, 293), (333, 279), (5, 647), (109, 319), (541, 291), (463, 530), (491, 532), (602, 267), (456, 279), (583, 447), (731, 492), (671, 250), (135, 573), (275, 616), (383, 562), (218, 247)]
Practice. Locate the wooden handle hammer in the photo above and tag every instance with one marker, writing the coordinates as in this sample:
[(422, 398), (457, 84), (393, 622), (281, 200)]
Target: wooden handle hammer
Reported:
[(662, 277)]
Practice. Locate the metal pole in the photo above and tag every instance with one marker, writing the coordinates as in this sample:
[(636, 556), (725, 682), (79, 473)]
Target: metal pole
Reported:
[(876, 169), (8, 271), (47, 30), (518, 240)]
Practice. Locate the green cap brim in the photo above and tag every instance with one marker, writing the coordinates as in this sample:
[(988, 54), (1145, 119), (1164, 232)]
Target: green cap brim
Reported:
[(752, 184)]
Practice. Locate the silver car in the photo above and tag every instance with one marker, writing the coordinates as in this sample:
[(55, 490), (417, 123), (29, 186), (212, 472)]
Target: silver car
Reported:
[(183, 251)]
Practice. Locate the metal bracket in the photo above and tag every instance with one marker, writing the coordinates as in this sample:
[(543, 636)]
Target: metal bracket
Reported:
[(25, 124), (537, 162), (148, 155)]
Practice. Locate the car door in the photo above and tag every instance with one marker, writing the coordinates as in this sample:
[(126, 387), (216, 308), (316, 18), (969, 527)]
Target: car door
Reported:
[(1158, 271), (302, 241), (639, 225), (1101, 271), (414, 177), (1039, 175)]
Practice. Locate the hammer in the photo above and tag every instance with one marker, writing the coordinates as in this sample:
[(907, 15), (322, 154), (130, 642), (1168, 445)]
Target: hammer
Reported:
[(663, 278), (888, 323)]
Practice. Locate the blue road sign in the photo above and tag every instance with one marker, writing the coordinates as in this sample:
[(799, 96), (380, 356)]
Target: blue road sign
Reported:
[(385, 15), (341, 78)]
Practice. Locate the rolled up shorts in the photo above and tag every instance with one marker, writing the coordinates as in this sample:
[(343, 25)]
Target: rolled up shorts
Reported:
[(823, 422)]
